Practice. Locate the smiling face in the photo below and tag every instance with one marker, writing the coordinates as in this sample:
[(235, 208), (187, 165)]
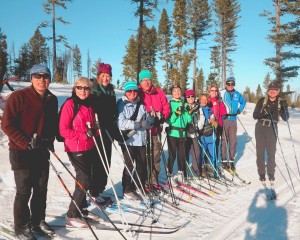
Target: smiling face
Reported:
[(131, 95), (203, 100), (273, 93), (146, 84), (40, 82), (82, 88), (104, 79), (213, 92), (176, 93)]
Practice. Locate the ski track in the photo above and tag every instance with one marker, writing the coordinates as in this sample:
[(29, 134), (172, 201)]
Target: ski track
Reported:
[(241, 213)]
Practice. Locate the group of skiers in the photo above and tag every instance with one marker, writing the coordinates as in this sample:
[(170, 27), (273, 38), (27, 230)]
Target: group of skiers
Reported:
[(91, 119)]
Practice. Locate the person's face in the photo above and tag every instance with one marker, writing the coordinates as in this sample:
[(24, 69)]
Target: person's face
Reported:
[(146, 84), (230, 86), (213, 92), (131, 95), (176, 93), (203, 101), (190, 99), (273, 93), (40, 82), (104, 79), (82, 90)]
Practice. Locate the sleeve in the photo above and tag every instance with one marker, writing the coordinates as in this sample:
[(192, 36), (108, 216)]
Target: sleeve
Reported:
[(65, 122), (257, 114), (242, 102), (284, 114), (11, 121), (123, 121), (166, 106)]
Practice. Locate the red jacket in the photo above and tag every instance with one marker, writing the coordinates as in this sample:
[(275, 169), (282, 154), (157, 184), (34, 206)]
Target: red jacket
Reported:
[(155, 99), (75, 136), (218, 108)]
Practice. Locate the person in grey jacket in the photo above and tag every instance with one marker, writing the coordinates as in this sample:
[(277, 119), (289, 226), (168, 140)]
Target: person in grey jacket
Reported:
[(134, 121)]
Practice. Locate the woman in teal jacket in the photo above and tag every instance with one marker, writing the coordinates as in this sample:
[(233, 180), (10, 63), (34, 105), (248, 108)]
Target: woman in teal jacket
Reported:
[(176, 132)]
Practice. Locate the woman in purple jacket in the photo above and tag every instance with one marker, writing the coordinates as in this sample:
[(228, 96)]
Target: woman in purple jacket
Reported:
[(80, 147)]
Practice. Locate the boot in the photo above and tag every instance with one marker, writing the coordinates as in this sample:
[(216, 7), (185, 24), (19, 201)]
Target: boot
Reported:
[(26, 235), (43, 227)]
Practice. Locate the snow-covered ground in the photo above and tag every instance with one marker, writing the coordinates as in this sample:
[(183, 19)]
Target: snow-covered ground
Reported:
[(238, 213)]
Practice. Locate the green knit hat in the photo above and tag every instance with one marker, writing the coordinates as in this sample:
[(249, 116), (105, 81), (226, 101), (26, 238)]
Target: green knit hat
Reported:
[(130, 85), (145, 74)]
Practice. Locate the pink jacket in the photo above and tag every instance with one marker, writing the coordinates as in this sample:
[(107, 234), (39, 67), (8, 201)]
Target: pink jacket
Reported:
[(75, 136), (157, 100), (218, 108)]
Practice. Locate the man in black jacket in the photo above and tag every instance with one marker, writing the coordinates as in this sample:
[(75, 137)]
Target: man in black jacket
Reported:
[(30, 122)]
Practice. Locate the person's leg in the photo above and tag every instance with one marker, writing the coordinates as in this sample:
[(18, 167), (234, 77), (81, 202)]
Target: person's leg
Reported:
[(260, 138), (225, 144), (156, 159), (126, 178), (141, 168), (196, 154), (82, 165), (172, 143), (181, 148), (271, 151)]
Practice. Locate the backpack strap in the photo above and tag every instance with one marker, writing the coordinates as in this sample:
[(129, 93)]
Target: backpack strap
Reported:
[(135, 113)]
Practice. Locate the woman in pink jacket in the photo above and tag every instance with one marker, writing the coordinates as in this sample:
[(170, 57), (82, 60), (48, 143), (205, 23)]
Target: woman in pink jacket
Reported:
[(219, 110), (79, 144)]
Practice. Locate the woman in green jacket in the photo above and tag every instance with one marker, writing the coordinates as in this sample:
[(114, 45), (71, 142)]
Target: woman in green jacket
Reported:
[(176, 133)]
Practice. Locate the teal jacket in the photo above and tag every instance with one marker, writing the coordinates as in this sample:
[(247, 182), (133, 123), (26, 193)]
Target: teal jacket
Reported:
[(178, 123)]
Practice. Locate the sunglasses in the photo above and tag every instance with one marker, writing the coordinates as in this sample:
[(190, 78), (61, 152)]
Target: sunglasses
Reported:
[(212, 90), (230, 84), (132, 91), (84, 88), (39, 76), (191, 96)]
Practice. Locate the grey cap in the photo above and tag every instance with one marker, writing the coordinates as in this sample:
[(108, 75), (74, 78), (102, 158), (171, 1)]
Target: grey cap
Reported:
[(39, 68)]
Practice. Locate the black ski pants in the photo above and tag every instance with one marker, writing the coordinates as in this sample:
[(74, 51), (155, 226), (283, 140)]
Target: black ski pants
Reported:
[(193, 147), (177, 147), (84, 165), (137, 154), (105, 151), (31, 173), (265, 141)]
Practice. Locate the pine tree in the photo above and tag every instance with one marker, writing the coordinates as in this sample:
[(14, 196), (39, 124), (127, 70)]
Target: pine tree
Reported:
[(199, 86), (180, 26), (164, 45), (129, 60), (199, 14), (267, 81), (77, 66), (259, 93), (49, 8), (227, 15), (38, 48), (186, 61), (3, 58), (23, 62)]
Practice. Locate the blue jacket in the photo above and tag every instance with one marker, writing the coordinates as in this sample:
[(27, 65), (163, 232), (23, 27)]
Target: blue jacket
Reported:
[(125, 110), (207, 114), (234, 102)]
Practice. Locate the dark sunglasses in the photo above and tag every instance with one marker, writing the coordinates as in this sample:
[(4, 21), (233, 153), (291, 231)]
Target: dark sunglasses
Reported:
[(132, 91), (191, 96), (213, 90), (230, 84), (84, 88), (39, 76)]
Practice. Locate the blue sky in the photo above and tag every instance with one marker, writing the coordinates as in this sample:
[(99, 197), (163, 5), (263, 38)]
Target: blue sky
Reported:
[(104, 27)]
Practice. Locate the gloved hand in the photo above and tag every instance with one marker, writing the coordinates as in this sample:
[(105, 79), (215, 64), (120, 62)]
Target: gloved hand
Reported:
[(283, 103), (193, 109), (151, 119), (97, 125), (225, 116), (191, 129), (214, 124), (37, 142), (238, 111), (179, 110), (91, 132)]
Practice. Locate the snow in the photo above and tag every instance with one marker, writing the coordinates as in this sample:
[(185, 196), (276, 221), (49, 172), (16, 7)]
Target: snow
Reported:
[(239, 213)]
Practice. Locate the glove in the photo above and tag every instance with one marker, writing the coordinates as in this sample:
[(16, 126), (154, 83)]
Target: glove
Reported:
[(91, 132), (193, 109), (214, 124), (191, 129), (40, 143), (151, 119), (97, 125), (238, 111), (225, 116), (179, 110), (283, 103)]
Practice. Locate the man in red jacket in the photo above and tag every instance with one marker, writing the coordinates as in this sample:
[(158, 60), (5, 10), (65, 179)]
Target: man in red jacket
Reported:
[(158, 107), (30, 121)]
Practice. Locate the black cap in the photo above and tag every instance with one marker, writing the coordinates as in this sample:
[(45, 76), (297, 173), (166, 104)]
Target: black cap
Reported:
[(274, 85)]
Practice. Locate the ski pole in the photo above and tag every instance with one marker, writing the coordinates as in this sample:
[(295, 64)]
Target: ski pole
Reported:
[(287, 168), (247, 134), (82, 188), (287, 121), (123, 219), (70, 195)]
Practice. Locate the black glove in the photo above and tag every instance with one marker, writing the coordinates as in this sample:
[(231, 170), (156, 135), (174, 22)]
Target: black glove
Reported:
[(283, 103), (191, 129), (40, 143), (179, 110), (91, 132), (167, 129), (97, 125), (225, 116)]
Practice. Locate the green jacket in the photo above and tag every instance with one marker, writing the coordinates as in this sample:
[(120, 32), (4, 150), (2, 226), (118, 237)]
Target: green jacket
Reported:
[(176, 121)]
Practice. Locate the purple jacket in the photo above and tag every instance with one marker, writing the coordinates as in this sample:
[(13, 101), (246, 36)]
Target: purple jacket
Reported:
[(75, 136)]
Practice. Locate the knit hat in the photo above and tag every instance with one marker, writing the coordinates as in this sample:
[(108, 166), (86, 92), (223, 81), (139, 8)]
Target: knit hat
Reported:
[(189, 92), (230, 80), (274, 85), (130, 85), (104, 68), (39, 68), (145, 74)]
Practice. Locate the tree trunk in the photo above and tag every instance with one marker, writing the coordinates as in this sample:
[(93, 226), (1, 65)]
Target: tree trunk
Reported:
[(140, 40), (54, 42)]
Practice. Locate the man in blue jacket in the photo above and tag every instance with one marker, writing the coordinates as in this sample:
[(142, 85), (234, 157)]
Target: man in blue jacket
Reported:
[(235, 104)]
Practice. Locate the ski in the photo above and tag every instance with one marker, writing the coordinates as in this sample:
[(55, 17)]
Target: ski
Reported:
[(235, 174)]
